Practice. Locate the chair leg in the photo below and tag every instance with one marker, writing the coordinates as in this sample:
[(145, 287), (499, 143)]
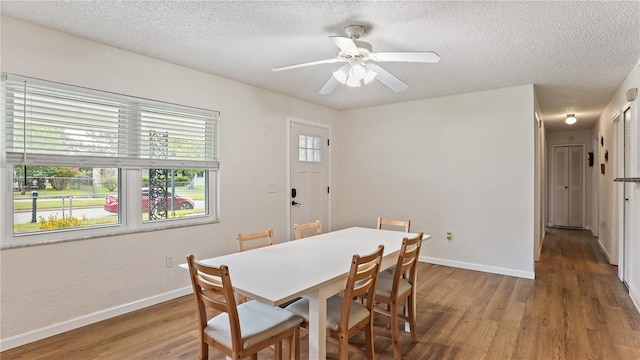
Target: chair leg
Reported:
[(412, 318), (204, 351), (254, 356), (294, 345), (344, 347), (368, 341), (395, 334), (278, 350)]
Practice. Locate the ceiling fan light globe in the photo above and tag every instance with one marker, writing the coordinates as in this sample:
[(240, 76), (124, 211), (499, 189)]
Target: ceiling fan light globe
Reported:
[(357, 71), (370, 76), (353, 82)]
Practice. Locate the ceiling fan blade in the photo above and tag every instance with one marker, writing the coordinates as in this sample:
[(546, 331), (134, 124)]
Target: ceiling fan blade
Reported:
[(295, 66), (407, 56), (329, 86), (345, 44), (388, 79)]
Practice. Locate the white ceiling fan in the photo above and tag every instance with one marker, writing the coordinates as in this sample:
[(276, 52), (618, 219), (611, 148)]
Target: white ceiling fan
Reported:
[(360, 62)]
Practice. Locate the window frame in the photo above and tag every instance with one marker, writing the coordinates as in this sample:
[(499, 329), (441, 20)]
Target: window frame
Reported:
[(129, 190)]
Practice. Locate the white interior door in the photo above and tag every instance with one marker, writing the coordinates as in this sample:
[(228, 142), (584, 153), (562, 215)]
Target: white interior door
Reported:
[(309, 175), (576, 186), (560, 186), (626, 246), (568, 186)]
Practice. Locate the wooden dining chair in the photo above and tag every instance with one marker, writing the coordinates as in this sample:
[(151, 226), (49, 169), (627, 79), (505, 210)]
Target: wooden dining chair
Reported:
[(254, 239), (346, 317), (307, 230), (406, 224), (239, 331), (386, 223), (399, 289)]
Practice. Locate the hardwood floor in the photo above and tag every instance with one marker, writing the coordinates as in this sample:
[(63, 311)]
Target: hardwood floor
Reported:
[(575, 309)]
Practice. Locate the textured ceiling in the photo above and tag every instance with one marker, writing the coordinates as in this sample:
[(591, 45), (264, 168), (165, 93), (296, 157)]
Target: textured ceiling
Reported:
[(576, 53)]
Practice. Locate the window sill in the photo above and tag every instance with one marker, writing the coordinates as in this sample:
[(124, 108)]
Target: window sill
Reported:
[(17, 244)]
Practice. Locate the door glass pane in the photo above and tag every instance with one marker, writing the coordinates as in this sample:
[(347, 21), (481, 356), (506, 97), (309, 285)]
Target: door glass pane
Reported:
[(309, 149)]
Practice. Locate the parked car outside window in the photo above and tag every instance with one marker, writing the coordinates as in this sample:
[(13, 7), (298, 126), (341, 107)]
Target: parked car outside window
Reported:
[(181, 203)]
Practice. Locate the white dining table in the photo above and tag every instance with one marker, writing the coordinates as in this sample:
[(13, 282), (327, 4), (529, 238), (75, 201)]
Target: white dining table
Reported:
[(315, 268)]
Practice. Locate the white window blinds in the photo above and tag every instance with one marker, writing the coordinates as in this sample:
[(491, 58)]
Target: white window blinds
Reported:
[(54, 124)]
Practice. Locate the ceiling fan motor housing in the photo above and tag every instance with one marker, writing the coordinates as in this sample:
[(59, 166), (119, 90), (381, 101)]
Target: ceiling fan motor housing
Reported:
[(354, 31)]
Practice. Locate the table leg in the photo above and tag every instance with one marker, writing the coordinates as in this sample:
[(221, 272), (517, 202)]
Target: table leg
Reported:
[(317, 324)]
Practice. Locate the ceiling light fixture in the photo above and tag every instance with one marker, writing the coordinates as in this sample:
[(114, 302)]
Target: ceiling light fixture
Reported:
[(342, 74), (369, 76), (357, 72), (353, 75), (571, 119)]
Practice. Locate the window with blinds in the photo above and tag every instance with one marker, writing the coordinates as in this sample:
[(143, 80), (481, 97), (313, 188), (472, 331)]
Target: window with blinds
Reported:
[(49, 122), (85, 159)]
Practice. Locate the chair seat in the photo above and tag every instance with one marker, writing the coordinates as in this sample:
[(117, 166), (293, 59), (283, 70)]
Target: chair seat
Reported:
[(258, 322), (388, 271), (385, 283), (358, 312)]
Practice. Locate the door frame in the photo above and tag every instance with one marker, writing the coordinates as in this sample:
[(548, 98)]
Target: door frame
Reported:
[(291, 119), (623, 206), (552, 177)]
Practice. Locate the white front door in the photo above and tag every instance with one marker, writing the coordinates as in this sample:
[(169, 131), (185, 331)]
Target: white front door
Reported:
[(309, 175), (568, 186)]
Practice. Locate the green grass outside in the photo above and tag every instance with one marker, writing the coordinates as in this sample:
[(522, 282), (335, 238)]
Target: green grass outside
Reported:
[(57, 204)]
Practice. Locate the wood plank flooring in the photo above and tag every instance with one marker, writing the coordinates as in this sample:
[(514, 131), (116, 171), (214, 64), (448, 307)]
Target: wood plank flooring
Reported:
[(575, 309)]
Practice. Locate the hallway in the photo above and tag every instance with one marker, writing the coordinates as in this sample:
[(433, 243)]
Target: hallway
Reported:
[(579, 309)]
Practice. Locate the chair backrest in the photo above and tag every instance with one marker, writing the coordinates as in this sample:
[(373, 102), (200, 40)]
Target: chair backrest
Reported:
[(406, 266), (362, 280), (406, 224), (212, 288), (245, 239), (306, 230)]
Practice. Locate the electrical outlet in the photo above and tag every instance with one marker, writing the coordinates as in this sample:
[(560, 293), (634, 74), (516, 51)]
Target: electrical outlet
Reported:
[(169, 261), (449, 237)]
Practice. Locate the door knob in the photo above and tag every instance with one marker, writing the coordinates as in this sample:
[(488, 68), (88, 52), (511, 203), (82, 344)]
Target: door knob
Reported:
[(295, 203)]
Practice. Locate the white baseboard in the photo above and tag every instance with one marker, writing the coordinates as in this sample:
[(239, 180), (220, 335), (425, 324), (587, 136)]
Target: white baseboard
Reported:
[(635, 297), (55, 329), (478, 267), (606, 254)]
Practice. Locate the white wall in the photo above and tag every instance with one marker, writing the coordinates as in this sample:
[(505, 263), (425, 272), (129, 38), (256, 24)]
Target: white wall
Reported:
[(47, 289), (462, 163), (572, 137), (608, 214)]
